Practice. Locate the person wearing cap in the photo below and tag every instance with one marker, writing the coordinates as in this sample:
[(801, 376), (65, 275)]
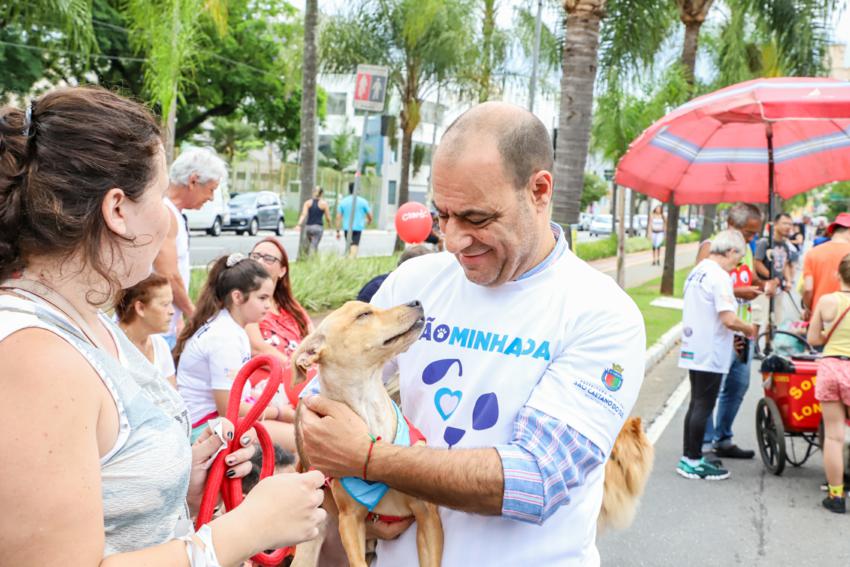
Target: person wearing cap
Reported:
[(820, 266)]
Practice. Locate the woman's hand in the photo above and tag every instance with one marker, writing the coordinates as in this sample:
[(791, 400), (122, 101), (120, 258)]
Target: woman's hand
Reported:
[(238, 462), (284, 508)]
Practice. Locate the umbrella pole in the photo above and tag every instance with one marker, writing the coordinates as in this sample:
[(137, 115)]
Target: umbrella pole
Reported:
[(770, 189)]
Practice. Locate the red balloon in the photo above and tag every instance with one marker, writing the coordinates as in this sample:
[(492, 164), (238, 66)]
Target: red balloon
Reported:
[(413, 222)]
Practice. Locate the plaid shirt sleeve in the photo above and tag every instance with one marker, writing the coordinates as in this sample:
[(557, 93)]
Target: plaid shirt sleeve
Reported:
[(545, 461)]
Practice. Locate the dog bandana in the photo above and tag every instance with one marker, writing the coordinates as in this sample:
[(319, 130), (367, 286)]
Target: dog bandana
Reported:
[(367, 493)]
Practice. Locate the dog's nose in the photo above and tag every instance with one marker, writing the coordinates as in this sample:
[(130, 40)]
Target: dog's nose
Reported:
[(416, 304)]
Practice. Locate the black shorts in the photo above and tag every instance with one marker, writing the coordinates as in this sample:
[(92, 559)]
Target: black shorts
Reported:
[(355, 237)]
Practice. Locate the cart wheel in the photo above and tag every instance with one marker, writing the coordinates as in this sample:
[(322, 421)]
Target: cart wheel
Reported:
[(771, 436)]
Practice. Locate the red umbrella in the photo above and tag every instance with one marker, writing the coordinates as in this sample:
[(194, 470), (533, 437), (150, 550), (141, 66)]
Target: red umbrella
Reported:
[(743, 142)]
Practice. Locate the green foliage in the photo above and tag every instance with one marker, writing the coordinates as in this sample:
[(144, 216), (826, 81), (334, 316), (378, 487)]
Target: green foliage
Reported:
[(323, 282), (594, 189), (418, 158), (343, 150), (233, 137), (166, 33), (837, 198), (70, 18), (26, 65), (620, 117), (422, 42), (632, 34)]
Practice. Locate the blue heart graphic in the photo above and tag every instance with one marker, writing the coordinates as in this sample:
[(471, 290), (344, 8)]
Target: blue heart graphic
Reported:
[(447, 402)]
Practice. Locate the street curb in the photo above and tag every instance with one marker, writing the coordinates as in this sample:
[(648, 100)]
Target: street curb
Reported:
[(661, 347)]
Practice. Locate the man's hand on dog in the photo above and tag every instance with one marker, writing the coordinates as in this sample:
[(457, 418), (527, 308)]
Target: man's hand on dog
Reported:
[(335, 438)]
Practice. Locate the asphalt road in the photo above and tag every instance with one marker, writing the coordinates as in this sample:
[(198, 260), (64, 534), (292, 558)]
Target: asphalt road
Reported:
[(753, 519)]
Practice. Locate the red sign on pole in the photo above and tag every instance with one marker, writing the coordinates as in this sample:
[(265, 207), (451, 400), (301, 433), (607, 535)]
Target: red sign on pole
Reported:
[(370, 88)]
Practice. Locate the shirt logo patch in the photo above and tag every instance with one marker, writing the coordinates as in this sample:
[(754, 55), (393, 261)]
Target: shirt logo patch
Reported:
[(601, 397), (612, 377), (687, 355), (687, 331)]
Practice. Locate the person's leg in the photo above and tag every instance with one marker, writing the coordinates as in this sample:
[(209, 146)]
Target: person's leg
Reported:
[(692, 465), (731, 395), (834, 414), (355, 243), (704, 388)]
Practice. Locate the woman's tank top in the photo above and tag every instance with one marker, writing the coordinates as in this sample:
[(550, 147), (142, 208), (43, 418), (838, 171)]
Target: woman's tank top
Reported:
[(145, 475), (657, 223), (839, 342), (315, 213)]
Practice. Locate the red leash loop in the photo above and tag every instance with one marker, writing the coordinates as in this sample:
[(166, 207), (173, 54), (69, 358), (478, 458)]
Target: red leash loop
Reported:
[(230, 489)]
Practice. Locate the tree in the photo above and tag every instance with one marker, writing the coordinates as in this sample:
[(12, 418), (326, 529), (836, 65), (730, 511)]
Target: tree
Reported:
[(492, 53), (630, 37), (167, 33), (422, 42), (693, 14), (233, 137), (308, 109), (342, 152), (594, 189)]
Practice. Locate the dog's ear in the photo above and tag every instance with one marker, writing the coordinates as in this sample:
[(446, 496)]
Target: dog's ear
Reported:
[(636, 424), (308, 353)]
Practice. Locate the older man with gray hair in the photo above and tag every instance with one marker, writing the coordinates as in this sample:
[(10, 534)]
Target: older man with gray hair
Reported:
[(746, 219), (194, 176), (708, 326)]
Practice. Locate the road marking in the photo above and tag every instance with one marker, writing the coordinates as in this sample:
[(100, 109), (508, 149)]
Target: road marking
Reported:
[(671, 406)]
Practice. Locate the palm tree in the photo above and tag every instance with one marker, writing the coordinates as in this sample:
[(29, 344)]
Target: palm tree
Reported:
[(421, 42), (72, 17), (308, 110), (621, 36), (167, 32), (581, 46), (693, 14)]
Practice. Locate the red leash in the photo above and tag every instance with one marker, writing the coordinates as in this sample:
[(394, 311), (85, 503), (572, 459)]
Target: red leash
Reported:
[(230, 489)]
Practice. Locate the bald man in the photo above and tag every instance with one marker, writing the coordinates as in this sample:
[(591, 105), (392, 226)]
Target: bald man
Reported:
[(528, 364)]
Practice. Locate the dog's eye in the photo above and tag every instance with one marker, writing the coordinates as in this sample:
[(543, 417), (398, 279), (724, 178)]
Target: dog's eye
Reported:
[(364, 314)]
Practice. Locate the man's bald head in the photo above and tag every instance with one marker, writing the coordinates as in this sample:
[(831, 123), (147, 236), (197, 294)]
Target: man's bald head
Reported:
[(520, 137)]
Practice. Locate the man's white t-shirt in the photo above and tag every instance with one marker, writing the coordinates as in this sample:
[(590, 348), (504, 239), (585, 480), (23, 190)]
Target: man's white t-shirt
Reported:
[(566, 341), (162, 359), (210, 361), (706, 343), (183, 265)]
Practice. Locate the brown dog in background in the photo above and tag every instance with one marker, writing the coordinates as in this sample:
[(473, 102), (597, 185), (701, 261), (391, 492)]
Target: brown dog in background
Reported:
[(626, 473), (351, 346)]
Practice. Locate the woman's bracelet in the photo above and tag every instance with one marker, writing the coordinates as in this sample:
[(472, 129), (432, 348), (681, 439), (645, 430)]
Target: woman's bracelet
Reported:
[(200, 556)]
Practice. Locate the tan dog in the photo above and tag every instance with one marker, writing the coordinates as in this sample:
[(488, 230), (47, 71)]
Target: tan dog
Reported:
[(626, 473), (351, 347)]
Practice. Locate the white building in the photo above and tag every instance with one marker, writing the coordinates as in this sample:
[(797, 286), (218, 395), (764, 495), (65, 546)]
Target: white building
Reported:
[(436, 115)]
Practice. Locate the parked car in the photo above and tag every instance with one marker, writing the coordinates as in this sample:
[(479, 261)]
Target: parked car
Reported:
[(601, 224), (253, 212), (213, 215), (584, 221)]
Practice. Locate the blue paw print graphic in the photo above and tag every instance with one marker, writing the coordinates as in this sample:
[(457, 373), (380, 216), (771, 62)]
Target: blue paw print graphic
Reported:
[(485, 413)]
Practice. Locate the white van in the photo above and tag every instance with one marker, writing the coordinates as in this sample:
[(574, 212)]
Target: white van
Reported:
[(213, 215)]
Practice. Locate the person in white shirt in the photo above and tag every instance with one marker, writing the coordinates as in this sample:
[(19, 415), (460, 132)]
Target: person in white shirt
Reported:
[(214, 346), (709, 321), (143, 311), (194, 176), (528, 364)]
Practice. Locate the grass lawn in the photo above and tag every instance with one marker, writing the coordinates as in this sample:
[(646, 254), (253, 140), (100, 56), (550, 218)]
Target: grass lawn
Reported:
[(658, 320), (325, 282), (322, 282)]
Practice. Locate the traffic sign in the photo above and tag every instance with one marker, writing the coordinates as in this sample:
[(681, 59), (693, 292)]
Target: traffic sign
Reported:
[(370, 88)]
